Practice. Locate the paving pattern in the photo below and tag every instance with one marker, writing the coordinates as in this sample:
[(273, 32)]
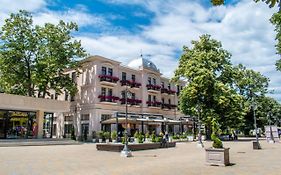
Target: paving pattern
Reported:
[(185, 159)]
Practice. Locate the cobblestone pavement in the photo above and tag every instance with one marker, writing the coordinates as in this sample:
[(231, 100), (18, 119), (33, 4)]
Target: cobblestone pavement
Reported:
[(185, 159)]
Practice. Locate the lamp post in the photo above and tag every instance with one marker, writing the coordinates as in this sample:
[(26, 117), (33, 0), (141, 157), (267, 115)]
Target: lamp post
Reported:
[(126, 152), (256, 144), (199, 143)]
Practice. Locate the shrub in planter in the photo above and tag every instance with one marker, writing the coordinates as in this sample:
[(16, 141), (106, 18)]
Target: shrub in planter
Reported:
[(147, 136), (107, 136), (217, 155), (123, 140), (100, 135), (153, 137), (114, 136), (158, 139), (73, 134), (140, 138)]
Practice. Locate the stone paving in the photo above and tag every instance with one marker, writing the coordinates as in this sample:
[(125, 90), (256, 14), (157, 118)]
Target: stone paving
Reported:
[(185, 159)]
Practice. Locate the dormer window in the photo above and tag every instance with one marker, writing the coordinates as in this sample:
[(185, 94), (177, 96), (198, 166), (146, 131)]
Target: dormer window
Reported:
[(124, 76), (133, 77), (154, 81), (149, 80), (103, 70)]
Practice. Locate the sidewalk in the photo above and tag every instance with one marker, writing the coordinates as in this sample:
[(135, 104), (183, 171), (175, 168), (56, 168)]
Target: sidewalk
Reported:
[(185, 159)]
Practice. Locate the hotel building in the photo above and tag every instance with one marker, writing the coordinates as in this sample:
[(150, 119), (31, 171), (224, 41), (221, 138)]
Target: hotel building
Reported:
[(100, 103)]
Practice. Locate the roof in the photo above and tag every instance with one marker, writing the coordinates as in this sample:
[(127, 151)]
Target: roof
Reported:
[(142, 62)]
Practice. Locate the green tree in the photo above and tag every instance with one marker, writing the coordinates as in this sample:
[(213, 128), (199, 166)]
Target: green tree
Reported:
[(276, 21), (33, 59), (271, 3), (205, 68)]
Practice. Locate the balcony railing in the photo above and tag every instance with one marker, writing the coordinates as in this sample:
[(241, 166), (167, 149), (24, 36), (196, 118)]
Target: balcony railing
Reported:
[(164, 91), (154, 103), (135, 84), (108, 78), (132, 84), (171, 92), (168, 106), (131, 101), (153, 87), (104, 98)]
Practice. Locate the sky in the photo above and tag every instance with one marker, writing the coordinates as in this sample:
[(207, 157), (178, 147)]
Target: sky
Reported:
[(158, 29)]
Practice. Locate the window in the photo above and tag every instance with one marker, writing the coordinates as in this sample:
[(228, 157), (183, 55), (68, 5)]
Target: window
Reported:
[(110, 71), (68, 118), (103, 70), (66, 96), (149, 80), (169, 86), (109, 92), (169, 101), (154, 98), (133, 77), (163, 100), (105, 117), (162, 84), (52, 96), (154, 81), (56, 96), (124, 76), (133, 96), (149, 97), (103, 91), (73, 76), (123, 94), (72, 97)]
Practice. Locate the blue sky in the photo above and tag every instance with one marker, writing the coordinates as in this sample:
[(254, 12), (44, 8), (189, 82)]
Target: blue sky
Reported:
[(122, 29)]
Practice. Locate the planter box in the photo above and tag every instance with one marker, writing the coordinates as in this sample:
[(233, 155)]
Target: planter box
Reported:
[(217, 156), (118, 147)]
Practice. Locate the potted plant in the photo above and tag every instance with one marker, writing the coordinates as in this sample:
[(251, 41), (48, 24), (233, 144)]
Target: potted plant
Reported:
[(107, 136), (114, 136), (190, 136), (140, 138), (136, 135), (100, 135), (217, 155), (153, 137), (94, 136), (147, 137)]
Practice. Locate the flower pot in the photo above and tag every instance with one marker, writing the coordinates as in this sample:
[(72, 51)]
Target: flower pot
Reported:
[(217, 156), (190, 138), (100, 140), (94, 140), (107, 140), (114, 141)]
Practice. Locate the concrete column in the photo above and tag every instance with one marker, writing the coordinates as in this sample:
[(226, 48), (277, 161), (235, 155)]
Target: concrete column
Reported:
[(39, 121)]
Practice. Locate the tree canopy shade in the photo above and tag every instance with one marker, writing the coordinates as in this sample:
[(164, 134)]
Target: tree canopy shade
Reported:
[(216, 87), (33, 59)]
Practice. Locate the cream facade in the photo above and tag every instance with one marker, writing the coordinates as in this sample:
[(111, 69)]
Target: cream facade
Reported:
[(102, 86)]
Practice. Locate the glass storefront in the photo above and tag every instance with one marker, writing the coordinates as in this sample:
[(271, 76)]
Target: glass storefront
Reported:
[(22, 125)]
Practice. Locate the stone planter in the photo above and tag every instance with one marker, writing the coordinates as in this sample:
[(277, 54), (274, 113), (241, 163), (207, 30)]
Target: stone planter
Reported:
[(217, 156)]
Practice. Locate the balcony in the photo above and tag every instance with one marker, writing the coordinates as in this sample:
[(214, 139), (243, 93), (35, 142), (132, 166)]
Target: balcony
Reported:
[(164, 91), (110, 99), (171, 92), (135, 84), (153, 88), (168, 106), (133, 102), (108, 79), (132, 84), (156, 104)]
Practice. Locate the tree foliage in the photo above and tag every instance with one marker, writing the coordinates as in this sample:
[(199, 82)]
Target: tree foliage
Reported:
[(33, 59), (215, 86), (276, 21), (205, 67), (270, 3)]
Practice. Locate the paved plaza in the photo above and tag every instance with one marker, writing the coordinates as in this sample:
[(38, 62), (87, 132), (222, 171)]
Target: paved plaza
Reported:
[(186, 159)]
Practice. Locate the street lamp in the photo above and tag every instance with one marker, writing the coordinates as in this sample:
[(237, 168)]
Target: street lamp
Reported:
[(256, 144), (199, 143), (126, 152)]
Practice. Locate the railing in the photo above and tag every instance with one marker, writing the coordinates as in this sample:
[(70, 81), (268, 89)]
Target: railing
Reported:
[(171, 92), (132, 84), (104, 98), (131, 101), (108, 78), (168, 106), (164, 90), (153, 87), (153, 103)]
